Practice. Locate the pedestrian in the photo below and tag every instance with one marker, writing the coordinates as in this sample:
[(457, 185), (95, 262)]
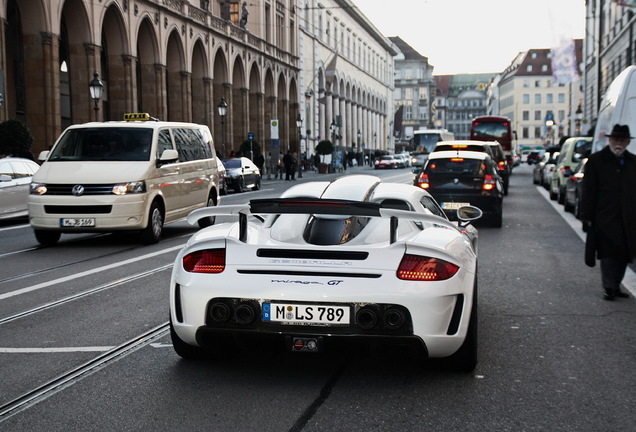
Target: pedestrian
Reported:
[(288, 161), (608, 207)]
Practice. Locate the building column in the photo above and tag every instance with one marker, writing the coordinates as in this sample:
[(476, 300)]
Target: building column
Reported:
[(162, 96)]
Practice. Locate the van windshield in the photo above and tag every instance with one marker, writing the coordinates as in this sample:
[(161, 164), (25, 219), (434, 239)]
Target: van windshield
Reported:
[(103, 144)]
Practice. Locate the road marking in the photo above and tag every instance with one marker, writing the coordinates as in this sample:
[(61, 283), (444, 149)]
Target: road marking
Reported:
[(55, 350), (629, 281), (87, 273)]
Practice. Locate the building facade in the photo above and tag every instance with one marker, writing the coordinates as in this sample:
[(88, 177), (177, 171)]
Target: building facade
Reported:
[(414, 93), (610, 47), (347, 77), (542, 112), (459, 99), (175, 59)]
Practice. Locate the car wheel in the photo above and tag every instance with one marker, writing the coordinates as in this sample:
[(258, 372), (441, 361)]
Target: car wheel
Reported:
[(223, 190), (506, 184), (152, 233), (567, 206), (184, 350), (561, 196), (47, 238), (208, 221), (465, 359), (553, 194), (577, 206), (257, 184), (238, 187)]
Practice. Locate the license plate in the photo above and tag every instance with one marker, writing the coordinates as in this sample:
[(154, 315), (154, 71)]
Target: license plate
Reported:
[(306, 314), (77, 222), (453, 205)]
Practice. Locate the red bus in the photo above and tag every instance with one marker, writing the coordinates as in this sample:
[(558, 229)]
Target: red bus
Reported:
[(493, 128)]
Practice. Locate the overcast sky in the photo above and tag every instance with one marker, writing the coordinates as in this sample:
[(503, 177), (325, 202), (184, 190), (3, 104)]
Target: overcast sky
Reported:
[(476, 36)]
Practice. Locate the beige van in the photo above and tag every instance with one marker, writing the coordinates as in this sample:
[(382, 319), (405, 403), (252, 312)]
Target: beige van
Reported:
[(136, 174)]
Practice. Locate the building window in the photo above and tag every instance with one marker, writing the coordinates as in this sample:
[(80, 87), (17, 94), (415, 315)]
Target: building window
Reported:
[(537, 83), (537, 98), (525, 98), (537, 115), (549, 98), (544, 68), (537, 131), (525, 132), (561, 98), (529, 68), (526, 115)]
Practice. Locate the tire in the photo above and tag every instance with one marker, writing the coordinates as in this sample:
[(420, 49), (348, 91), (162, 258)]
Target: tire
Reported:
[(561, 196), (553, 195), (465, 359), (184, 350), (47, 238), (567, 206), (577, 206), (238, 187), (257, 184), (152, 233), (208, 221), (506, 185)]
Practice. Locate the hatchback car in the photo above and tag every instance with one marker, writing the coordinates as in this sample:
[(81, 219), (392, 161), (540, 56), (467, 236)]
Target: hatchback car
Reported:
[(461, 178), (241, 173), (572, 152), (15, 178)]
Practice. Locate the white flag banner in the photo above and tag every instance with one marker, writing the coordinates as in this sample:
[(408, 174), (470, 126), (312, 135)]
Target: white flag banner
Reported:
[(564, 67)]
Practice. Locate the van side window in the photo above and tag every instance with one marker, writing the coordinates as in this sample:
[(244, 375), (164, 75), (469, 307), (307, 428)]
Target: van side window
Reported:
[(190, 145), (163, 142)]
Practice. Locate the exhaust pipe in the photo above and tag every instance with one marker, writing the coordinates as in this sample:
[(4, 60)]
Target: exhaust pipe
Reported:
[(367, 318), (244, 314), (220, 312), (394, 319)]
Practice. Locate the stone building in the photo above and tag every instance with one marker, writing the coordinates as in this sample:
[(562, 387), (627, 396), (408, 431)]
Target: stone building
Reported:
[(175, 59), (346, 79), (414, 92)]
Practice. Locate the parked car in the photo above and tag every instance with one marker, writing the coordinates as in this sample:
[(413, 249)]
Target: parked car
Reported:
[(386, 162), (548, 170), (537, 172), (242, 173), (534, 157), (275, 278), (407, 159), (15, 178), (460, 178), (574, 190), (221, 171), (503, 167), (573, 150)]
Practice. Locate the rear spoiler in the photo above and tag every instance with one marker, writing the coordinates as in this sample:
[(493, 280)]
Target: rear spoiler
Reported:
[(315, 206)]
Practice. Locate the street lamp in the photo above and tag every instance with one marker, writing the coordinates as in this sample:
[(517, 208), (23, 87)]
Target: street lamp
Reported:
[(299, 125), (549, 124), (332, 128), (578, 117), (223, 112), (96, 87)]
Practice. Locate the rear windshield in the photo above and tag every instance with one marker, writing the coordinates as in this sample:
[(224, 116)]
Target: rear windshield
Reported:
[(455, 166), (232, 163), (103, 144)]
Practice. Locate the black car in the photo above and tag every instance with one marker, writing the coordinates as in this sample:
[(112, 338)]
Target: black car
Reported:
[(503, 167), (573, 190), (242, 173), (461, 178)]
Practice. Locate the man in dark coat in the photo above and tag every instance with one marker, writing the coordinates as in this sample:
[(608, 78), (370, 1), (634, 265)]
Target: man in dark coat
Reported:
[(288, 161), (609, 208)]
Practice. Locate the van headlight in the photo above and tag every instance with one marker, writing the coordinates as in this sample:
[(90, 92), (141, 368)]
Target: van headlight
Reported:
[(129, 188), (37, 189)]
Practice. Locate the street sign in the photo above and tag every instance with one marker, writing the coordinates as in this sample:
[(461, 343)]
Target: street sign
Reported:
[(250, 136)]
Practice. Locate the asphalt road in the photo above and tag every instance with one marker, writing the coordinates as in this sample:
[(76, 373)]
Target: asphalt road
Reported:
[(554, 356)]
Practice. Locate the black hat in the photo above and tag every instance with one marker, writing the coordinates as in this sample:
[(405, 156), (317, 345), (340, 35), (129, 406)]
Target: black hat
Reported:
[(620, 132)]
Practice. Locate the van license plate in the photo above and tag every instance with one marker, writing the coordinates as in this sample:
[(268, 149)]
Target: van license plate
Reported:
[(77, 222)]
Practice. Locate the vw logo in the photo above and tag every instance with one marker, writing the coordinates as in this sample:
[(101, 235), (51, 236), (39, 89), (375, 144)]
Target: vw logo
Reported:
[(77, 190), (456, 181)]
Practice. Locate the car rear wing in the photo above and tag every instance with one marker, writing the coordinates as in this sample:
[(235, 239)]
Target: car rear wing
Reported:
[(316, 206)]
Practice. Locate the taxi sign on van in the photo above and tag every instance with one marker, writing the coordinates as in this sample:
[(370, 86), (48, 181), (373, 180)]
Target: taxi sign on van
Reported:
[(136, 116)]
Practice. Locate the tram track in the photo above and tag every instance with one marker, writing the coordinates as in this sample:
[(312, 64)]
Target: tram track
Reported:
[(85, 293), (74, 375)]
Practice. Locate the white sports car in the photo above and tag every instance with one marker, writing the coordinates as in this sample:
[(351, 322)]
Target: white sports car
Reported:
[(354, 260)]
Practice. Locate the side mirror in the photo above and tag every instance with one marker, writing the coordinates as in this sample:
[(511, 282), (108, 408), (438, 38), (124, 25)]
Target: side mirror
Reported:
[(5, 178), (168, 156), (467, 214), (44, 155)]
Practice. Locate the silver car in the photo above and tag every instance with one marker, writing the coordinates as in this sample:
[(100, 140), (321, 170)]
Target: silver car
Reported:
[(15, 178)]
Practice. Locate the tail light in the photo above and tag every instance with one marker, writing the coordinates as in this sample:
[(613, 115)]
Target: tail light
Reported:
[(566, 171), (205, 261), (577, 177), (421, 268), (489, 182), (501, 165), (422, 181)]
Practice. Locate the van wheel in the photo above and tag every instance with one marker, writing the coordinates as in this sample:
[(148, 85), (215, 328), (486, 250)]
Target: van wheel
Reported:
[(47, 238), (152, 233), (238, 187), (208, 221), (257, 184)]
